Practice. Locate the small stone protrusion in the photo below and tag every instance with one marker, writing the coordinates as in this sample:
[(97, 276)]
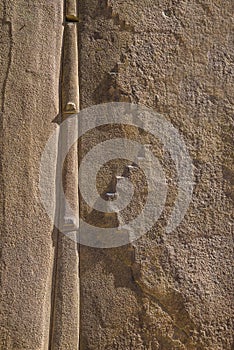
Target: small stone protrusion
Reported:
[(131, 168), (72, 18), (119, 178), (111, 196), (69, 224), (70, 107)]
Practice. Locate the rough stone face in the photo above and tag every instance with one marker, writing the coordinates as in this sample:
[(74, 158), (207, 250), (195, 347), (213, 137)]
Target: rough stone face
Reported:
[(30, 50), (164, 291)]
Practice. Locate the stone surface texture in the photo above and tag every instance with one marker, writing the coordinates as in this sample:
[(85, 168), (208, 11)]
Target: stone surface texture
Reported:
[(176, 57), (164, 291), (30, 51)]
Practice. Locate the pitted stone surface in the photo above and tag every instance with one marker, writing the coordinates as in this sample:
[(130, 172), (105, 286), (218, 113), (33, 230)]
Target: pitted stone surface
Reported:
[(165, 291)]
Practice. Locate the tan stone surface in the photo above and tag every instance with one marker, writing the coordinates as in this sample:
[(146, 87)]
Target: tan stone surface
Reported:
[(30, 51), (165, 291), (65, 307)]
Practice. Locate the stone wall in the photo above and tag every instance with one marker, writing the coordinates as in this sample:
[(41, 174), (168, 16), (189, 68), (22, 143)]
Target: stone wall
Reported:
[(164, 291)]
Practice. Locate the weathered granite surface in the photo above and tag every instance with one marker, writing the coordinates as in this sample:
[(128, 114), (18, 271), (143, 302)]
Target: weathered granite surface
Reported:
[(164, 291)]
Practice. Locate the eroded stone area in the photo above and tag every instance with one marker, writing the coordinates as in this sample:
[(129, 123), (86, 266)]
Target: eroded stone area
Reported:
[(165, 291)]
